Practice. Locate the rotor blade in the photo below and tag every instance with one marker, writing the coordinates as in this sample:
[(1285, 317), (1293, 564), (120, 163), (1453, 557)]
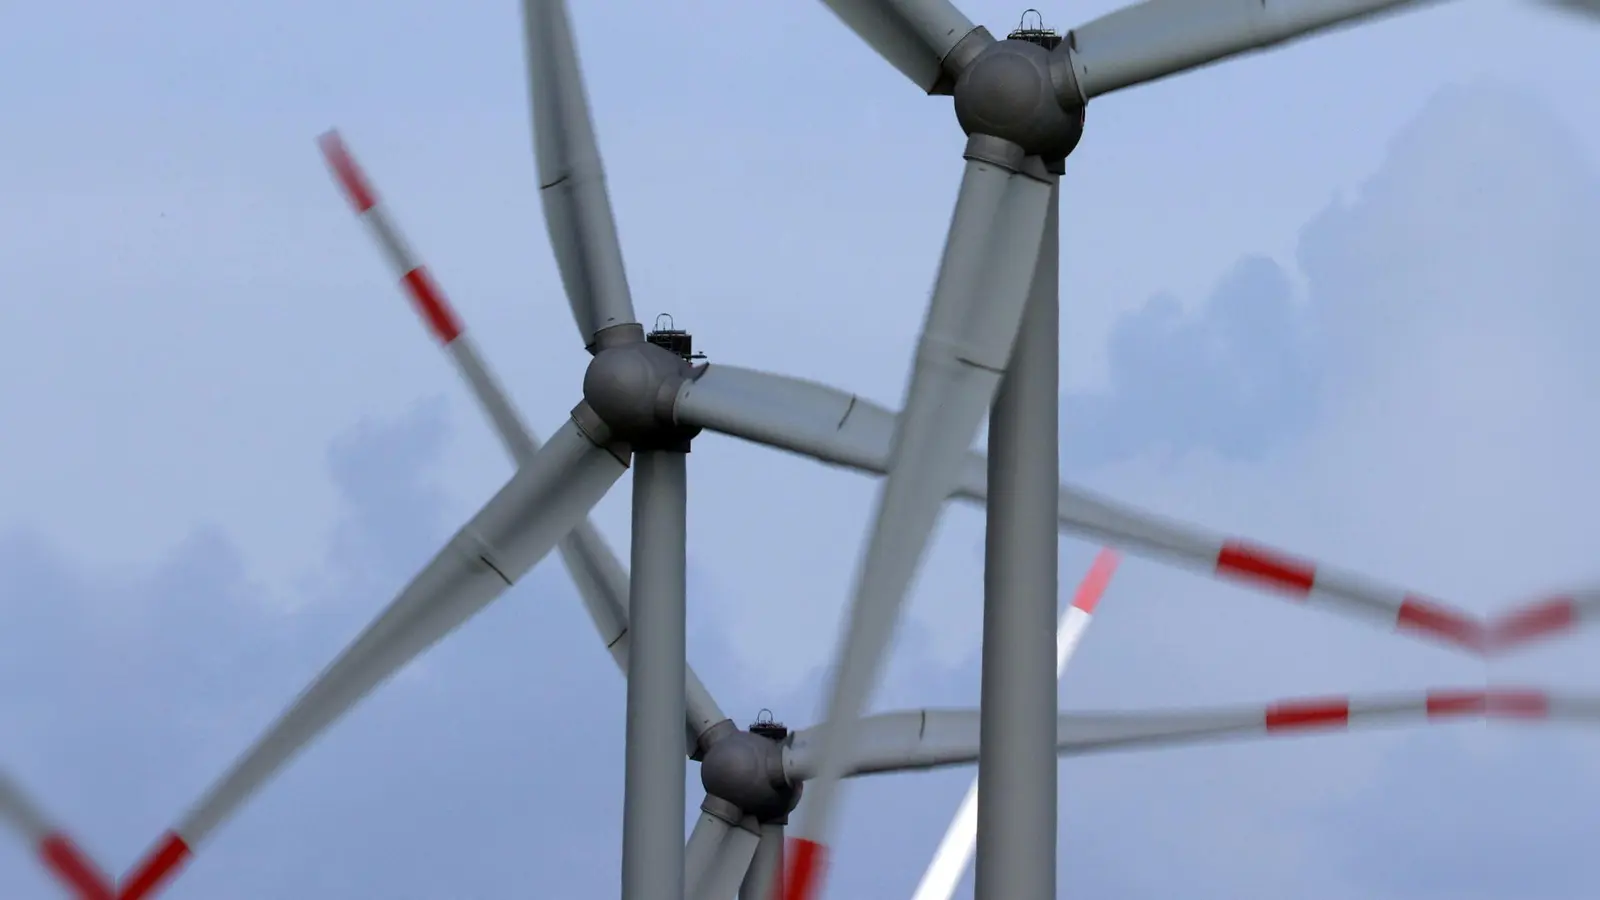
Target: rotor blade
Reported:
[(925, 739), (1157, 38), (59, 854), (850, 431), (913, 35), (704, 842), (572, 182), (1542, 619), (798, 416), (1087, 515), (428, 299), (599, 576), (966, 339), (733, 865), (950, 860), (718, 851), (1089, 732), (954, 854), (766, 868), (515, 530)]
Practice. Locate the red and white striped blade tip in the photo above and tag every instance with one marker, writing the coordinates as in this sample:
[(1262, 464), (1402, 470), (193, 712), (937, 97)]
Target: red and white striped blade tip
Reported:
[(1094, 584), (1492, 703), (1297, 578), (426, 296), (1533, 622), (345, 170)]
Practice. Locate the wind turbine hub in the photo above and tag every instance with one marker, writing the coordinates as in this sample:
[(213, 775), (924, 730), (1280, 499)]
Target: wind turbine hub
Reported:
[(1009, 92), (633, 388), (746, 769)]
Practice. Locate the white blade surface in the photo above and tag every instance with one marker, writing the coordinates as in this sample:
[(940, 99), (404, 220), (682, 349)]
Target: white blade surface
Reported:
[(741, 853), (717, 855), (762, 880), (966, 340), (59, 855), (727, 870), (929, 738), (843, 429), (950, 860), (599, 576), (913, 35), (572, 182), (705, 839), (515, 530), (1158, 38)]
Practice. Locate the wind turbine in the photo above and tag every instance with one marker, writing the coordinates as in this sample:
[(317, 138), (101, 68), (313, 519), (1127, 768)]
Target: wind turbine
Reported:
[(737, 839), (645, 401), (731, 847), (990, 343), (604, 585)]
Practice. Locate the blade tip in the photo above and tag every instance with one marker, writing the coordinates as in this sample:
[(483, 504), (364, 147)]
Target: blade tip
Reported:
[(346, 171), (1532, 622)]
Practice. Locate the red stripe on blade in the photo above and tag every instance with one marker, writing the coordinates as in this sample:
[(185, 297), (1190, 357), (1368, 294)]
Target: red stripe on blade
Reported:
[(803, 876), (1094, 584), (158, 867), (1518, 703), (1427, 617), (1456, 703), (1534, 621), (344, 167), (431, 304), (63, 858), (1267, 567), (1300, 714)]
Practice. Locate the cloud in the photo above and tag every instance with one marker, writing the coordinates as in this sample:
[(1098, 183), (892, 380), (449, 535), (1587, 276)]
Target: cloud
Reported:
[(1236, 377), (494, 760), (130, 691), (1449, 299), (1497, 822)]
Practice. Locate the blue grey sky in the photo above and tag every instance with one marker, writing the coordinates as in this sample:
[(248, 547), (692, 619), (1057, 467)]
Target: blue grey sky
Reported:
[(1339, 297)]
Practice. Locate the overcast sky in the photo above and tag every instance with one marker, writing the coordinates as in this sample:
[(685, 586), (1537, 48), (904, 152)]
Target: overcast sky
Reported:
[(1340, 298)]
